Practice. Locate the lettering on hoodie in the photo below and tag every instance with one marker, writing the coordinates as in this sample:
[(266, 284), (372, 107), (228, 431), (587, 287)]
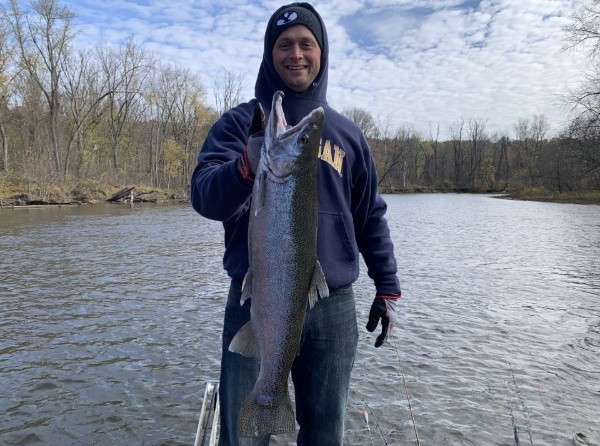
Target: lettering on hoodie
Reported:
[(332, 155)]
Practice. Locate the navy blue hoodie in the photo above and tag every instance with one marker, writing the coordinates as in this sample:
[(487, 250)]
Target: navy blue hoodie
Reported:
[(351, 212)]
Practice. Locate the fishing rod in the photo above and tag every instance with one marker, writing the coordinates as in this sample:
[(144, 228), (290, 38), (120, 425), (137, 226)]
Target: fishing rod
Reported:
[(514, 425), (412, 417), (376, 423), (522, 407), (365, 414)]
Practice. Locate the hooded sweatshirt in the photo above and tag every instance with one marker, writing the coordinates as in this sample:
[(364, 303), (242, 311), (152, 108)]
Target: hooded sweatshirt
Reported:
[(351, 212)]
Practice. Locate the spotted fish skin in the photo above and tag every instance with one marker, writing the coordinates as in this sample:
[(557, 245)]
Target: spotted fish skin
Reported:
[(284, 277)]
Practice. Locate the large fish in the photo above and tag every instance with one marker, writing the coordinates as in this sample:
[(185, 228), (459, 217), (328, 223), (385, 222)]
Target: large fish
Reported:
[(284, 276)]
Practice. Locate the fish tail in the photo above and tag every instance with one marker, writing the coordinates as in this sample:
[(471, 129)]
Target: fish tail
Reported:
[(257, 419)]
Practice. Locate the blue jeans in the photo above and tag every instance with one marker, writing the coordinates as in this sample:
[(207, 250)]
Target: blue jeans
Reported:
[(321, 373)]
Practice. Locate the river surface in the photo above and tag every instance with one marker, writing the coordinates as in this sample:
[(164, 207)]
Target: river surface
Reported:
[(111, 316)]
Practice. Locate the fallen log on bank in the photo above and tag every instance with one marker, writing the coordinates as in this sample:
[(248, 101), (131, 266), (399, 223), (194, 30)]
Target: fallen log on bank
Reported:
[(123, 195)]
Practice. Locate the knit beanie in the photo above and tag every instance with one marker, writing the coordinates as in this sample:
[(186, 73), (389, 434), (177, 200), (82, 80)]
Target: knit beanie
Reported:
[(290, 15)]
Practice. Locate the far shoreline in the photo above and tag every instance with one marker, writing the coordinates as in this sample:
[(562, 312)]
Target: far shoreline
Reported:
[(145, 194), (93, 196)]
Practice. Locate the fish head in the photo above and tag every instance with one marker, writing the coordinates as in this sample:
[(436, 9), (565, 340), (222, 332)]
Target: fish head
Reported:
[(288, 150)]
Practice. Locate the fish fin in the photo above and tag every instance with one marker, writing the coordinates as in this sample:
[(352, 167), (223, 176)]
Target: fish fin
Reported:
[(258, 419), (259, 192), (242, 210), (244, 342), (246, 287), (318, 286)]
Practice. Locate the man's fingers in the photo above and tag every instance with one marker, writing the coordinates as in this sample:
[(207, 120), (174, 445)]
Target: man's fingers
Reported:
[(258, 119), (372, 324), (380, 339), (385, 328)]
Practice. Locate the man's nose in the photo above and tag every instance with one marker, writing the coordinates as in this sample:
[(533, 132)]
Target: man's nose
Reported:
[(296, 52)]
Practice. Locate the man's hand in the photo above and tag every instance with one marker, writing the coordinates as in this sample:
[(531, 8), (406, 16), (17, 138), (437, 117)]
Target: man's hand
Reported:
[(248, 160), (384, 308), (253, 148)]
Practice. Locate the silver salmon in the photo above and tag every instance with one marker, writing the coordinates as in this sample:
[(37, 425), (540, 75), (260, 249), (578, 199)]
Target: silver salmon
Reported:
[(284, 277)]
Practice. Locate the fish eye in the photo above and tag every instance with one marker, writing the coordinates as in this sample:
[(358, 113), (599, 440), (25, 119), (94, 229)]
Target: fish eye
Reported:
[(304, 138)]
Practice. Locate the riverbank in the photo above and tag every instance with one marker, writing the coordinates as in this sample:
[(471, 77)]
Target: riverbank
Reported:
[(86, 193), (12, 195), (527, 194), (584, 197)]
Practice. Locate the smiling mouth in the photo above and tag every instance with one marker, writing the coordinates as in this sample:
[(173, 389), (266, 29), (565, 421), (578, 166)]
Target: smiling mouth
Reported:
[(296, 67)]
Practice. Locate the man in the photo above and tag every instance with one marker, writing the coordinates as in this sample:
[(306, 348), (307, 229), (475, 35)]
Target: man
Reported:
[(351, 220)]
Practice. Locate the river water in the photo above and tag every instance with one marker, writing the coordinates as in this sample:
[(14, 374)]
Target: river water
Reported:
[(111, 317)]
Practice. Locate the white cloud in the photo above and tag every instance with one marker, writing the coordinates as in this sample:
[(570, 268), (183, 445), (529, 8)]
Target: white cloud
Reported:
[(414, 62)]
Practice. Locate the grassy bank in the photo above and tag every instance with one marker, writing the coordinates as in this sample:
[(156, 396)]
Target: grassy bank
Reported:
[(19, 192), (531, 194), (538, 194), (15, 192)]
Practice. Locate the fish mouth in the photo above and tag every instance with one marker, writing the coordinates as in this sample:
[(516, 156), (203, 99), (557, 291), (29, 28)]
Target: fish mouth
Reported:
[(311, 118), (280, 164), (281, 128), (280, 123)]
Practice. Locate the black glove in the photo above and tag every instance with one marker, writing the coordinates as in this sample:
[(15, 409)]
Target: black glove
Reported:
[(253, 148), (384, 308), (248, 160)]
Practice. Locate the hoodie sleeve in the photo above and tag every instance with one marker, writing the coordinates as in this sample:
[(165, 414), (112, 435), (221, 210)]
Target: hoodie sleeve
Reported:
[(218, 189), (371, 228)]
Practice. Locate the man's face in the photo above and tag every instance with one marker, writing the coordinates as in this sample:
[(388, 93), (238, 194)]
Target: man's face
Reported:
[(297, 57)]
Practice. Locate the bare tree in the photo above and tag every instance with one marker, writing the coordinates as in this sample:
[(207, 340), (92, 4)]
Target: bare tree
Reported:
[(363, 119), (477, 143), (583, 138), (390, 151), (161, 96), (6, 56), (585, 26), (417, 154), (529, 139), (179, 118), (84, 90), (438, 165), (584, 33), (95, 113), (228, 86), (125, 70), (192, 118), (501, 167), (456, 132), (43, 34)]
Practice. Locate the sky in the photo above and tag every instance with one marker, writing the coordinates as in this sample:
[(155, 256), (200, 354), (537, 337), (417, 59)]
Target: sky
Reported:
[(415, 64)]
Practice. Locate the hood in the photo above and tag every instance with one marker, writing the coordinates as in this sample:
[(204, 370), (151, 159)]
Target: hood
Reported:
[(296, 105)]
